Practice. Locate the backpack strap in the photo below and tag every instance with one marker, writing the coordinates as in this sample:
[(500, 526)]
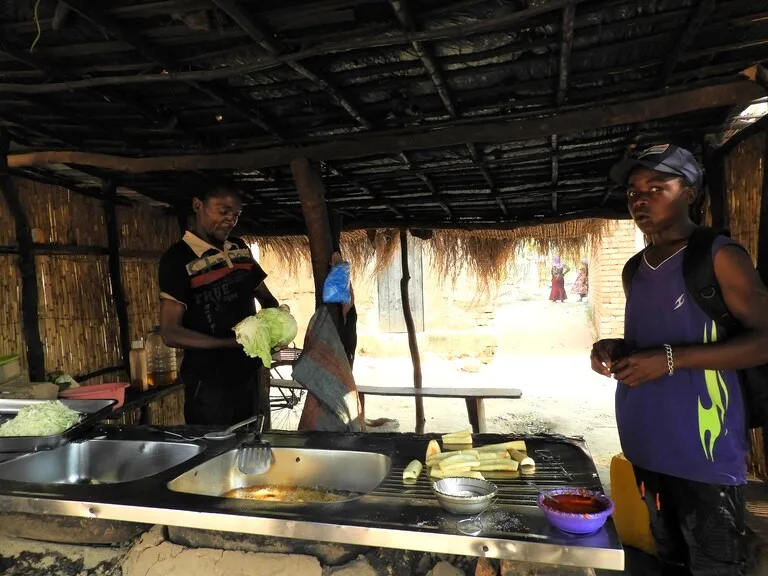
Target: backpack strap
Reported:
[(629, 271), (700, 279)]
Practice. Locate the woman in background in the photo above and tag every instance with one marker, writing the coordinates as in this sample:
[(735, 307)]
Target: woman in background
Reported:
[(558, 281), (581, 286)]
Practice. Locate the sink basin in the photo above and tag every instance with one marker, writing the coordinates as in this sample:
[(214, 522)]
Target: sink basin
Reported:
[(98, 462), (343, 471)]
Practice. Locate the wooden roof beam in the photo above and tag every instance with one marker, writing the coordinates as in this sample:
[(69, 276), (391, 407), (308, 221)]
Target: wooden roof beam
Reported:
[(427, 182), (555, 169), (698, 16), (566, 44), (480, 163), (275, 48), (114, 28), (371, 144), (424, 53), (366, 190), (506, 21), (57, 72)]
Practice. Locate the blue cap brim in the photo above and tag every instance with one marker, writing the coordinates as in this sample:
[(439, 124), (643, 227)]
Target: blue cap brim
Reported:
[(621, 170)]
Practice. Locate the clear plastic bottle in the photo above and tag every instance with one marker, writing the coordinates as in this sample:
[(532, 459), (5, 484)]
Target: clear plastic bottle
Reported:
[(161, 361)]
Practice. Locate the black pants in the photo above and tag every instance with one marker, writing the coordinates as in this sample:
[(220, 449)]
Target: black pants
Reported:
[(219, 400), (699, 528)]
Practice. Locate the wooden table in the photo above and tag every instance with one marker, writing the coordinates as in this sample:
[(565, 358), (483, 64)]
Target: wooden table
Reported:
[(474, 397)]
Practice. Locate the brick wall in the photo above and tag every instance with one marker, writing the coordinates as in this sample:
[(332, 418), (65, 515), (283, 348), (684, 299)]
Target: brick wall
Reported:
[(610, 252)]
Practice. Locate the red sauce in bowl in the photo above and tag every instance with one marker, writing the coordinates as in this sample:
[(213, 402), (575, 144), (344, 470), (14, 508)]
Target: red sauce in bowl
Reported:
[(574, 503)]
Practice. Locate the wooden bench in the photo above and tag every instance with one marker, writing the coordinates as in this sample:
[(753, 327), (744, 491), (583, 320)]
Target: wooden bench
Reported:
[(474, 397)]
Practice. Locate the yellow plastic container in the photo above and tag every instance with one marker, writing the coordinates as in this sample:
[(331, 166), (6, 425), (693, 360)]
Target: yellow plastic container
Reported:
[(631, 515)]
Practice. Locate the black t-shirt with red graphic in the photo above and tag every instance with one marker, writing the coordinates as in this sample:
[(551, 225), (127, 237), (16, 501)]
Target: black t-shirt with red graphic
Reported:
[(217, 290)]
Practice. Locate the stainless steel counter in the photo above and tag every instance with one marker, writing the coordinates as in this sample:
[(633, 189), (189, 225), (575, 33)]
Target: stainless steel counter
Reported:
[(392, 515)]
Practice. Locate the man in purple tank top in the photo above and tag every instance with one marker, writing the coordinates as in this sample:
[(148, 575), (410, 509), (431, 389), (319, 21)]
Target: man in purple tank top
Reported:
[(679, 405)]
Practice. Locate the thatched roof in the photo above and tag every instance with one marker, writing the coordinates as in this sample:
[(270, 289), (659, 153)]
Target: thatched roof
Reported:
[(484, 255), (437, 113)]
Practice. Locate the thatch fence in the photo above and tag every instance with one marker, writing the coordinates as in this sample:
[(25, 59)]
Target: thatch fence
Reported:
[(77, 313)]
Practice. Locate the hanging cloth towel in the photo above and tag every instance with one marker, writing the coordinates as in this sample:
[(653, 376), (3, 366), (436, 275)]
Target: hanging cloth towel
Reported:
[(332, 404)]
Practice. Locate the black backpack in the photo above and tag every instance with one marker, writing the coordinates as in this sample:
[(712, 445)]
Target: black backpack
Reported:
[(701, 283)]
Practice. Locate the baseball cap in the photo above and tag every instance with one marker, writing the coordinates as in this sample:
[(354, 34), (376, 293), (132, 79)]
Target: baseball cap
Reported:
[(666, 158)]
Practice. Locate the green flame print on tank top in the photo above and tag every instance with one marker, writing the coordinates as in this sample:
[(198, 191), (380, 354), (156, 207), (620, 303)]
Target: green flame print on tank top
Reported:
[(711, 419)]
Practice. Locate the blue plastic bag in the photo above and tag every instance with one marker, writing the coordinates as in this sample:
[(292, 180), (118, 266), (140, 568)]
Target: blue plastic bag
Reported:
[(336, 287)]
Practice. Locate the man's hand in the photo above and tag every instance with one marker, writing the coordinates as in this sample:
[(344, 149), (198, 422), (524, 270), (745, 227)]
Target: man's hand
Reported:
[(603, 354), (641, 367)]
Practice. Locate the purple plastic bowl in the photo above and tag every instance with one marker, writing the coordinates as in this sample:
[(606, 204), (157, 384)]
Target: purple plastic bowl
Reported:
[(576, 523)]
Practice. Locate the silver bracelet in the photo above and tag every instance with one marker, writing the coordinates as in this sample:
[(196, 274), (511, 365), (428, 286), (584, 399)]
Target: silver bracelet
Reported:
[(670, 359)]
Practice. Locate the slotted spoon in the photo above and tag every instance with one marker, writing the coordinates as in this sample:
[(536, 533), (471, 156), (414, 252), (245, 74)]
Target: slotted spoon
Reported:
[(255, 456)]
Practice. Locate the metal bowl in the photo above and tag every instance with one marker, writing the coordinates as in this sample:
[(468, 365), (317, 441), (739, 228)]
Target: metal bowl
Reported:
[(464, 495)]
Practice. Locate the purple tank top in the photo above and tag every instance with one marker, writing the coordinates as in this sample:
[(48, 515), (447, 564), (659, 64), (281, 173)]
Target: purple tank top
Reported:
[(690, 425)]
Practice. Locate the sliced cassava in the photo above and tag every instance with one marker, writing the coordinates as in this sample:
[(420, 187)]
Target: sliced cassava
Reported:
[(518, 445), (412, 471), (524, 460), (433, 449)]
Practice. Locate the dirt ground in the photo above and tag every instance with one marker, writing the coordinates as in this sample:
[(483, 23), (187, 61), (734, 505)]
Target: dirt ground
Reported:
[(543, 350)]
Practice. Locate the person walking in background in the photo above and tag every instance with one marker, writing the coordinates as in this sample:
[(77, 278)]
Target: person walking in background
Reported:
[(558, 281), (581, 286)]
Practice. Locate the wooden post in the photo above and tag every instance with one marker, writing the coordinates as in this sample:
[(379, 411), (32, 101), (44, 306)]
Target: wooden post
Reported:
[(27, 267), (115, 271), (413, 344), (714, 165), (762, 236), (315, 210)]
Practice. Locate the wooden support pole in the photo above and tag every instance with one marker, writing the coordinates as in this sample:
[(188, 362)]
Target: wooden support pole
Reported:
[(714, 166), (115, 271), (315, 210), (413, 344), (762, 237), (26, 263)]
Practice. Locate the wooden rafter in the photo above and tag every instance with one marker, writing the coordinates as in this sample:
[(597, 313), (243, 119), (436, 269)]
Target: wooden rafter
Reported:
[(368, 191), (274, 48), (566, 44), (553, 143), (369, 144), (58, 72), (403, 14), (506, 21), (698, 16), (427, 181), (113, 27), (483, 168)]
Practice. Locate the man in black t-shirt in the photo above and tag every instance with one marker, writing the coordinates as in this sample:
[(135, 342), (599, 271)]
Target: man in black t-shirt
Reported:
[(208, 283)]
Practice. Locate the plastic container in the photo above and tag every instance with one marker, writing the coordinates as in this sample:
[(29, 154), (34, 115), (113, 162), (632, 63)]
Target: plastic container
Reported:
[(137, 358), (580, 524), (115, 391), (161, 361)]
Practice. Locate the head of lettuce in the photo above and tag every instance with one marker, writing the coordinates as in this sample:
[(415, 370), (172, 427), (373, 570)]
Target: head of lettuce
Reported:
[(269, 329)]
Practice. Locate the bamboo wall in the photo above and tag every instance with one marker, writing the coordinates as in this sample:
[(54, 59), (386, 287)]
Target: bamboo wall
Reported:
[(744, 173), (77, 316)]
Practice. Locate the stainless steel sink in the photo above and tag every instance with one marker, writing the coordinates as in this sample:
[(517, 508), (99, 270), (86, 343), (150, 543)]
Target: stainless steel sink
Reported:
[(98, 462), (357, 472)]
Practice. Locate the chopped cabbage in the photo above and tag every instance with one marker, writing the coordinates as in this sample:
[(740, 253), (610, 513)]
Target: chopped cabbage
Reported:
[(43, 419), (270, 328)]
